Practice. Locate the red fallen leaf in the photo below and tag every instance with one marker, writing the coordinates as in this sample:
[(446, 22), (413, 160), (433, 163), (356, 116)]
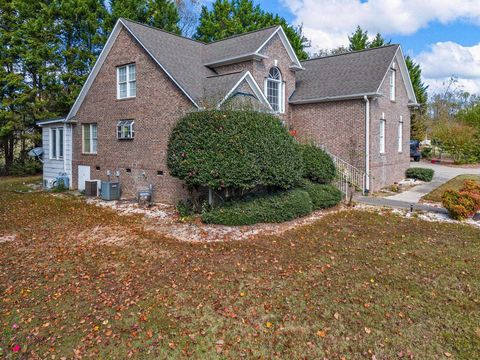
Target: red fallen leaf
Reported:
[(16, 348)]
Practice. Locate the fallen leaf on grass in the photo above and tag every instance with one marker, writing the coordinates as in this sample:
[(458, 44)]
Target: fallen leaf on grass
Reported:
[(321, 333)]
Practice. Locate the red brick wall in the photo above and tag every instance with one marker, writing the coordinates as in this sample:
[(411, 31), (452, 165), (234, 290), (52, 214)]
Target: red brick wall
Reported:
[(389, 167), (339, 126), (155, 109)]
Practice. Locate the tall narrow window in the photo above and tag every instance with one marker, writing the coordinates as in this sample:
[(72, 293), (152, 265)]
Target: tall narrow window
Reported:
[(89, 134), (382, 136), (400, 134), (274, 90), (392, 82), (126, 81), (56, 143)]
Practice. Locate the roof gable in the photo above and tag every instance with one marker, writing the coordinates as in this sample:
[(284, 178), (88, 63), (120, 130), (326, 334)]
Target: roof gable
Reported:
[(245, 47), (350, 75)]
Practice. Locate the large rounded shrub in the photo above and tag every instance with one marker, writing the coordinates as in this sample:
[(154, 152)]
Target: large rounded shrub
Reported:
[(323, 195), (233, 149), (270, 208), (317, 164)]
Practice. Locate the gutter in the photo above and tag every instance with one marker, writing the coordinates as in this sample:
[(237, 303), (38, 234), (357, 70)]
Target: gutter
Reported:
[(236, 59), (336, 98), (366, 189)]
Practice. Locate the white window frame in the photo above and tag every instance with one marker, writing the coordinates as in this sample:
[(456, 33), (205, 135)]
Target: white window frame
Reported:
[(93, 132), (130, 81), (131, 129), (381, 138), (393, 75), (57, 149), (400, 134), (280, 88)]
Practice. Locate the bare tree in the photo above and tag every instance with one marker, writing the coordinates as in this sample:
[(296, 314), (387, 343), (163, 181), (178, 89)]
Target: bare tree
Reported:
[(188, 10)]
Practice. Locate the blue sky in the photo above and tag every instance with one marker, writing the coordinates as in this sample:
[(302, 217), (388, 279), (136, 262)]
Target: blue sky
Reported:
[(442, 35)]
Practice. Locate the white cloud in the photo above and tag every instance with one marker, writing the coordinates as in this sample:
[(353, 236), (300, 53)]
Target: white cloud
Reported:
[(446, 59), (327, 23)]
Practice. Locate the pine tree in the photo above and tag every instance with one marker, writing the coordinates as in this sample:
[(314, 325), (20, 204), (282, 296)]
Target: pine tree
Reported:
[(232, 17), (378, 41), (162, 14), (358, 40)]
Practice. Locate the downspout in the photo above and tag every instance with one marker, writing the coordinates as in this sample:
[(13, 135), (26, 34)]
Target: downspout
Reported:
[(367, 145), (64, 148)]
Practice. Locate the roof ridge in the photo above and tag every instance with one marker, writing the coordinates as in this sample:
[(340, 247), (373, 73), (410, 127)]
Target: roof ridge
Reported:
[(242, 34), (162, 30), (350, 52), (231, 73)]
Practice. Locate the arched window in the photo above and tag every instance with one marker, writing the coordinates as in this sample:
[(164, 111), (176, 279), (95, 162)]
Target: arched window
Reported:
[(274, 89)]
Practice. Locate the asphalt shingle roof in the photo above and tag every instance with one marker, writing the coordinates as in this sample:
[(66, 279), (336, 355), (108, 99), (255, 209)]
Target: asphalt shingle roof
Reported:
[(343, 75), (323, 78), (236, 46)]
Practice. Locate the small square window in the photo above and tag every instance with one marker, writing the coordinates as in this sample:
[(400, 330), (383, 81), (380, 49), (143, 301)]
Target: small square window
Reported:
[(125, 129)]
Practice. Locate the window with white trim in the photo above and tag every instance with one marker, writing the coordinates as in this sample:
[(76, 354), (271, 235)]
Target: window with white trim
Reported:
[(126, 81), (56, 143), (382, 136), (392, 82), (89, 138), (400, 134), (274, 90), (125, 129)]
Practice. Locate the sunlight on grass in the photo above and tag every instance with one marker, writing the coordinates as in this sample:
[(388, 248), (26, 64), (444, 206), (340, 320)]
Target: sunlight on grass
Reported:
[(353, 285)]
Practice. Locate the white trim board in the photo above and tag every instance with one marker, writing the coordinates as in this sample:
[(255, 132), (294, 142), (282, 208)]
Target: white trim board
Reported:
[(286, 44), (254, 86), (101, 59), (405, 75)]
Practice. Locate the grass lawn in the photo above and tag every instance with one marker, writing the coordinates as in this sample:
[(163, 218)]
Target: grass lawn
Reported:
[(454, 184), (353, 285)]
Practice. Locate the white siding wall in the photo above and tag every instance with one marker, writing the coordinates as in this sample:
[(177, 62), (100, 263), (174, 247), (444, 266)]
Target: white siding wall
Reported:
[(52, 167)]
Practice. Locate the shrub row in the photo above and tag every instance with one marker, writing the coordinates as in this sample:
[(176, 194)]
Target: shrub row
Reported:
[(422, 174), (276, 207), (323, 196), (465, 203), (318, 166)]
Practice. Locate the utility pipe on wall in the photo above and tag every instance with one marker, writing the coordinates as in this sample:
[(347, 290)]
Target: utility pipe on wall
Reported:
[(367, 145)]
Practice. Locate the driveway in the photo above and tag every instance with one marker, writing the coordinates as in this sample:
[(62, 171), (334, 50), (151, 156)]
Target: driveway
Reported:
[(442, 175)]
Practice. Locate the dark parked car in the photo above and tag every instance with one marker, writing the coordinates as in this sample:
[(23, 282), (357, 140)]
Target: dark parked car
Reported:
[(415, 150)]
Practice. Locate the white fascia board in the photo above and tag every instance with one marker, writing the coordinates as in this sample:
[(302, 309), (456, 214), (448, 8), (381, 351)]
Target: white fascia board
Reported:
[(253, 84), (96, 68), (405, 75), (52, 121), (286, 44), (161, 66), (337, 98), (101, 59), (235, 59)]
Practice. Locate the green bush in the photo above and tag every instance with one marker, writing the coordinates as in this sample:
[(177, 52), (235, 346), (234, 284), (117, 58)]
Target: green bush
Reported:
[(29, 167), (427, 152), (323, 196), (271, 208), (234, 149), (317, 164), (422, 174), (185, 208)]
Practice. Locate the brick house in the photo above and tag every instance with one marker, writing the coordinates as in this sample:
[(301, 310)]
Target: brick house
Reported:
[(356, 105)]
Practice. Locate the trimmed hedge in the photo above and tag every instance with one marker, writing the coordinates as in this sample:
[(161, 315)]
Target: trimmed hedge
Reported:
[(317, 164), (323, 196), (272, 208), (422, 174), (234, 149)]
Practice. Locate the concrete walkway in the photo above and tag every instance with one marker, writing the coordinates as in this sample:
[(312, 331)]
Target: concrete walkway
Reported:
[(411, 197), (442, 175)]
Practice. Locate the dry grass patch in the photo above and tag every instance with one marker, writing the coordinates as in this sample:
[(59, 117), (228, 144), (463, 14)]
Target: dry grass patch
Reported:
[(354, 284)]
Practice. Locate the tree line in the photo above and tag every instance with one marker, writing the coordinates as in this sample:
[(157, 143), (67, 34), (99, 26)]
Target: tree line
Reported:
[(48, 48)]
